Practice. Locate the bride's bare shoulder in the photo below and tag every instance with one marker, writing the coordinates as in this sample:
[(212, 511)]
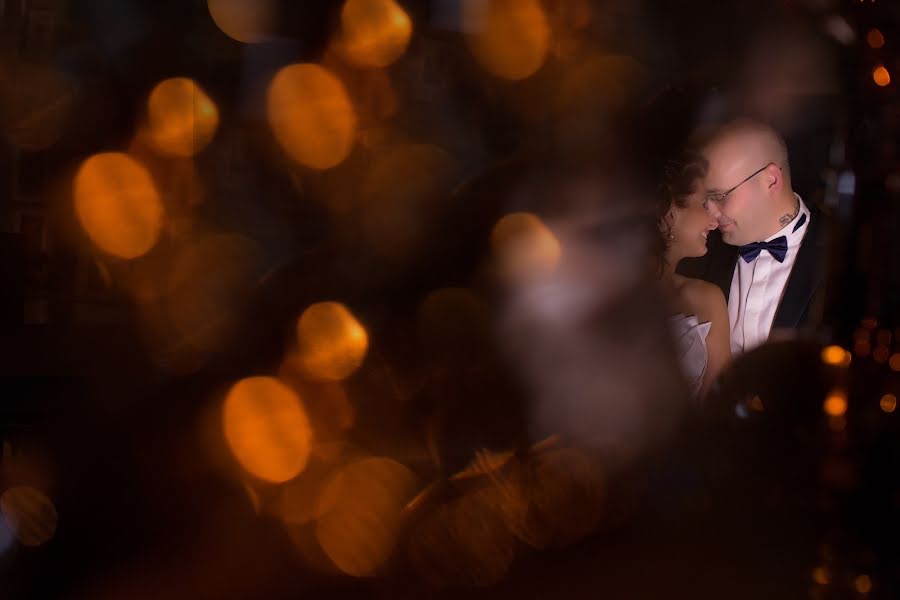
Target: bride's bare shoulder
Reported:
[(704, 297)]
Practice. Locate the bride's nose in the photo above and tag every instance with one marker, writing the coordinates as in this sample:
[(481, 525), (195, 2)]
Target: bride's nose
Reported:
[(713, 224)]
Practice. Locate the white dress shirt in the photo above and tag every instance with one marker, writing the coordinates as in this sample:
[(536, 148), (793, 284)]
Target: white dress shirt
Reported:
[(758, 287)]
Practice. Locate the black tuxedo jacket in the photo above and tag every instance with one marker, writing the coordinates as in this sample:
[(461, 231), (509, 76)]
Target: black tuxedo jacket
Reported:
[(802, 303)]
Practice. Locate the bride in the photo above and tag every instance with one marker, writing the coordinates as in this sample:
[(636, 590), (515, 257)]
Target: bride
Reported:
[(698, 313)]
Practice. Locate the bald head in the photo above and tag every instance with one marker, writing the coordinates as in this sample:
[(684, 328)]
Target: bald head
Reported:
[(753, 157)]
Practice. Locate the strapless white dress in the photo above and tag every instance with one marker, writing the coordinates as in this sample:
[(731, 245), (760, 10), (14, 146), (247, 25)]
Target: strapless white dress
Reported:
[(690, 345)]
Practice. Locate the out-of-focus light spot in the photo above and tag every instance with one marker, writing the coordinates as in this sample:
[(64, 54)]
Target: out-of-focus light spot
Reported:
[(861, 334), (298, 502), (253, 496), (509, 38), (466, 541), (327, 403), (564, 490), (835, 404), (875, 38), (246, 21), (524, 246), (894, 362), (863, 584), (862, 349), (883, 337), (118, 204), (821, 576), (332, 343), (366, 499), (756, 404), (34, 105), (837, 424), (881, 354), (190, 297), (840, 30), (453, 321), (405, 197), (835, 356), (869, 323), (266, 428), (7, 537), (888, 403), (181, 118), (881, 76), (374, 32), (311, 115), (30, 514), (604, 82), (740, 409), (209, 280)]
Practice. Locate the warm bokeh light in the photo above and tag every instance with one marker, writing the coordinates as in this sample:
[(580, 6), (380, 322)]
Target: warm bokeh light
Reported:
[(869, 323), (35, 105), (465, 542), (875, 38), (863, 584), (604, 82), (881, 76), (509, 38), (374, 32), (837, 424), (246, 21), (181, 118), (362, 508), (894, 362), (524, 246), (862, 349), (888, 403), (208, 282), (835, 404), (565, 492), (332, 344), (327, 404), (29, 514), (756, 404), (835, 356), (311, 115), (118, 204), (883, 337), (881, 354), (820, 575), (266, 428), (190, 296), (298, 499), (405, 197), (861, 334), (453, 321)]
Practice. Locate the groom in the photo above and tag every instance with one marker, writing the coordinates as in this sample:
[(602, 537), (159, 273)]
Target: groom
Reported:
[(768, 252)]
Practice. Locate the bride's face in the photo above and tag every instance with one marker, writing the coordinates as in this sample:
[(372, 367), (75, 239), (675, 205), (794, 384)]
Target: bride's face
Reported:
[(690, 226)]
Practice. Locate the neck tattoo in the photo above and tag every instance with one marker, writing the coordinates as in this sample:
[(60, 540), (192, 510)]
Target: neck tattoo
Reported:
[(788, 217)]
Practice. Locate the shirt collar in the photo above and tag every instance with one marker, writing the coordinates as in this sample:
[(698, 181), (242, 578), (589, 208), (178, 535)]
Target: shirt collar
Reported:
[(791, 231)]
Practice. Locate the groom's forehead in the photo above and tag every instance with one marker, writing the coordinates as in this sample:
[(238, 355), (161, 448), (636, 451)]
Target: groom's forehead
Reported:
[(724, 165)]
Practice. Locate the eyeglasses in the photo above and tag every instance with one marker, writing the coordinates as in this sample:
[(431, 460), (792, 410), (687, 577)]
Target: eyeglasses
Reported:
[(720, 197)]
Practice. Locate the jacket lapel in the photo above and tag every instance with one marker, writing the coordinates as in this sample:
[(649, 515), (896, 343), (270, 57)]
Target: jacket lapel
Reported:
[(804, 278)]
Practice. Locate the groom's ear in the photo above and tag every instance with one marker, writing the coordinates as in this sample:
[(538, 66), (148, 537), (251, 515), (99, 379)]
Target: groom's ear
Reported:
[(774, 177)]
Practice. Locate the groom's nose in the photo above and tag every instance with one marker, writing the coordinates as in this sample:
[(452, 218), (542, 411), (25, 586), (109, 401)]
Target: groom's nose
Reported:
[(712, 209)]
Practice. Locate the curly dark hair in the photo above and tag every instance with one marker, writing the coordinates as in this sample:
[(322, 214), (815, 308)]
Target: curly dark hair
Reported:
[(678, 181)]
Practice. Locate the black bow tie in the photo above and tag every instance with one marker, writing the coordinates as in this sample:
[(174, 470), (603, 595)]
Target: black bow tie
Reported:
[(777, 248)]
